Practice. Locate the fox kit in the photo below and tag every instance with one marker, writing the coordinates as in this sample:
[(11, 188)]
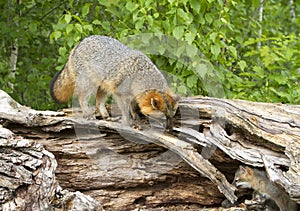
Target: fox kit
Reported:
[(247, 177), (101, 65)]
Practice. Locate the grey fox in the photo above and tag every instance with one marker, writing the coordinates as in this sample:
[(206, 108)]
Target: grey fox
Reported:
[(101, 65), (247, 177)]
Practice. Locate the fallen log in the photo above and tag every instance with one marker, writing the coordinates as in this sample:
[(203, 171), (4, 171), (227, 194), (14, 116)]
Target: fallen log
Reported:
[(124, 168)]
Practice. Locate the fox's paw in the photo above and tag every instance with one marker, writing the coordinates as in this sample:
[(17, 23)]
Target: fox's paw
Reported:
[(102, 112), (89, 117), (113, 119)]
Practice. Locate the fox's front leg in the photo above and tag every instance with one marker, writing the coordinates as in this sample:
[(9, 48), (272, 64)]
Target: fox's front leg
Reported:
[(124, 106), (86, 110), (100, 103), (134, 113)]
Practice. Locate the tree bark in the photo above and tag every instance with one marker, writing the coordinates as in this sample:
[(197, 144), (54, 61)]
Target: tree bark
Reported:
[(260, 19), (27, 170), (123, 168)]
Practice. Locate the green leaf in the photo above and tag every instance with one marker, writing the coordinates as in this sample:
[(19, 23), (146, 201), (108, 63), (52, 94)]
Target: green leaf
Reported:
[(201, 70), (209, 18), (191, 50), (56, 35), (242, 64), (179, 51), (239, 39), (139, 24), (161, 50), (32, 27), (88, 27), (178, 32), (213, 36), (201, 19), (233, 51), (130, 6), (190, 37), (69, 28), (215, 50), (281, 79), (62, 51), (191, 81), (195, 4), (183, 15), (223, 20), (96, 22), (182, 89), (68, 18), (259, 71), (76, 17), (255, 3), (289, 53), (171, 1), (106, 25), (85, 10), (78, 27), (149, 20), (70, 42), (250, 41)]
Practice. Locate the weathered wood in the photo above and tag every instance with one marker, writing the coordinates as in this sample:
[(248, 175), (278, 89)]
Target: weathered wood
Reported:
[(26, 170), (27, 178), (251, 132), (123, 168)]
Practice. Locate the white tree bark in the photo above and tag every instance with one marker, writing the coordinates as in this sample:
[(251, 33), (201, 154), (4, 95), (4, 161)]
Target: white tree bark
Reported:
[(292, 11), (260, 19)]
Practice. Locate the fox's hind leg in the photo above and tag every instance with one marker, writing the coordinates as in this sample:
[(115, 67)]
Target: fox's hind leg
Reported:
[(100, 103)]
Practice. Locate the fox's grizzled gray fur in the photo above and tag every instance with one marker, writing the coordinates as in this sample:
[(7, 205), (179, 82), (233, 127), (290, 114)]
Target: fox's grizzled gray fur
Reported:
[(101, 65)]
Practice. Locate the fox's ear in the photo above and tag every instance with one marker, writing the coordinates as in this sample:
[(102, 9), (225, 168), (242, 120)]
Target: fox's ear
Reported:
[(246, 170), (243, 169), (176, 97), (154, 103)]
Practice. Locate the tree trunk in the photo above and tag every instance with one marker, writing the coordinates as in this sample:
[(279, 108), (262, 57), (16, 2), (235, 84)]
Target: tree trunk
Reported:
[(122, 168), (292, 11), (260, 19)]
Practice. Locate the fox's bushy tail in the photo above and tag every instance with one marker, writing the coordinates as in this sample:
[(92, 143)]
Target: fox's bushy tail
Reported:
[(63, 84)]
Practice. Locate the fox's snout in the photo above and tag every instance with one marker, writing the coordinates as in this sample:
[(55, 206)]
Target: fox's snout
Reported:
[(156, 104), (170, 124)]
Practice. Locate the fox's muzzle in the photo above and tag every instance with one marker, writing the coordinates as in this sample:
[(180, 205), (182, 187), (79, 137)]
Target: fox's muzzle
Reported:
[(170, 125)]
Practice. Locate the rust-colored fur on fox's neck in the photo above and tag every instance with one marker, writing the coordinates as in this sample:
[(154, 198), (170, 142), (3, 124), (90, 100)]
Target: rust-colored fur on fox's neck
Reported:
[(153, 100), (144, 102)]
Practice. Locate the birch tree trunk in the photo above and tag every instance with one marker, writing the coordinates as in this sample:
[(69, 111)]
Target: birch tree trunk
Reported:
[(260, 19), (14, 48), (292, 11)]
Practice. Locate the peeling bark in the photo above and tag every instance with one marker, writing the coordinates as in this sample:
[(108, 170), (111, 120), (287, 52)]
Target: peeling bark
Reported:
[(124, 168)]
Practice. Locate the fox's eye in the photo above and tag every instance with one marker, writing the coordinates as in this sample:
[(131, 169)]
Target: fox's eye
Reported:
[(154, 103)]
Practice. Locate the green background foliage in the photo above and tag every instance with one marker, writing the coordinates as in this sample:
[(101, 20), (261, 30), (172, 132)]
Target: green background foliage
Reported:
[(220, 40)]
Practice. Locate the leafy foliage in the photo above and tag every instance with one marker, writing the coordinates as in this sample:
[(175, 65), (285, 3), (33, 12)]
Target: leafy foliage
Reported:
[(207, 47), (28, 24)]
